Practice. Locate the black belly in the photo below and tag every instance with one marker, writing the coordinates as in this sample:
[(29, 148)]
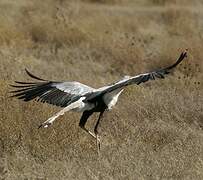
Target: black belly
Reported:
[(100, 105)]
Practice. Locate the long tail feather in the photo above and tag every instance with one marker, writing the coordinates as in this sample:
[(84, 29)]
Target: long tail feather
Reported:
[(33, 76), (20, 82)]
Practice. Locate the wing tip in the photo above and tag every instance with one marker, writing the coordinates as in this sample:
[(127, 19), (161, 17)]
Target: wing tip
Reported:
[(183, 55)]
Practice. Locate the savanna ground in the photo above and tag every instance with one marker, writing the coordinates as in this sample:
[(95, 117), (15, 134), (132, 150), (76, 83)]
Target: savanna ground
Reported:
[(156, 129)]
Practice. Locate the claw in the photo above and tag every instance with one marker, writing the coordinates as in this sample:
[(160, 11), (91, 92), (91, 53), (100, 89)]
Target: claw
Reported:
[(94, 135), (44, 125)]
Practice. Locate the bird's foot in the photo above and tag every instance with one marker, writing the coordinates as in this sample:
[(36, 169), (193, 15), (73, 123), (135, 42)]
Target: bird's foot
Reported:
[(95, 136), (45, 125)]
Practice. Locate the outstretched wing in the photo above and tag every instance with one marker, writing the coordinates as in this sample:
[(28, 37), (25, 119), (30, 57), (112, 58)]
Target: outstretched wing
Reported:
[(141, 78), (56, 93)]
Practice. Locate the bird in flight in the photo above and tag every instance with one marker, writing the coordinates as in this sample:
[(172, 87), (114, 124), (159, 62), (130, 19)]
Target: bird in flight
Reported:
[(80, 97)]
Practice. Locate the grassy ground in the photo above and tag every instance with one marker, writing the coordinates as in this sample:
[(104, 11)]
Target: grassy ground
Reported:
[(156, 129)]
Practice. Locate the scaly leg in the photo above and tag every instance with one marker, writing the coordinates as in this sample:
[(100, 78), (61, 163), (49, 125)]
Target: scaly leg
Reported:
[(96, 131), (83, 120)]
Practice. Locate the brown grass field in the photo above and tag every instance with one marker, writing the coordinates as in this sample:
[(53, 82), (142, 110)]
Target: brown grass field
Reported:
[(155, 131)]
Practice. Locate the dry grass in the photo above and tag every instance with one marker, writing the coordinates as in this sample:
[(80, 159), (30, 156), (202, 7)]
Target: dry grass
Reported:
[(156, 129)]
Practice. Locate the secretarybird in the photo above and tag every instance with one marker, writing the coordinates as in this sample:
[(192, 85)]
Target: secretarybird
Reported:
[(82, 98)]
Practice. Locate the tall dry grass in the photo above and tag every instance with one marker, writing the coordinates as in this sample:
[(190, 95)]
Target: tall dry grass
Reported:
[(156, 129)]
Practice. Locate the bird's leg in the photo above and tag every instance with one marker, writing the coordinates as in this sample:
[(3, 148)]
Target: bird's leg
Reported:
[(83, 120), (48, 122), (96, 131)]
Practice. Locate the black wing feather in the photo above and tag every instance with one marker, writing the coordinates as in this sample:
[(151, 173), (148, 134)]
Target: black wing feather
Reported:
[(42, 91)]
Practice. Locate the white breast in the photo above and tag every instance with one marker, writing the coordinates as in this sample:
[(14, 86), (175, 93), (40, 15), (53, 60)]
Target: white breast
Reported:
[(110, 99)]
